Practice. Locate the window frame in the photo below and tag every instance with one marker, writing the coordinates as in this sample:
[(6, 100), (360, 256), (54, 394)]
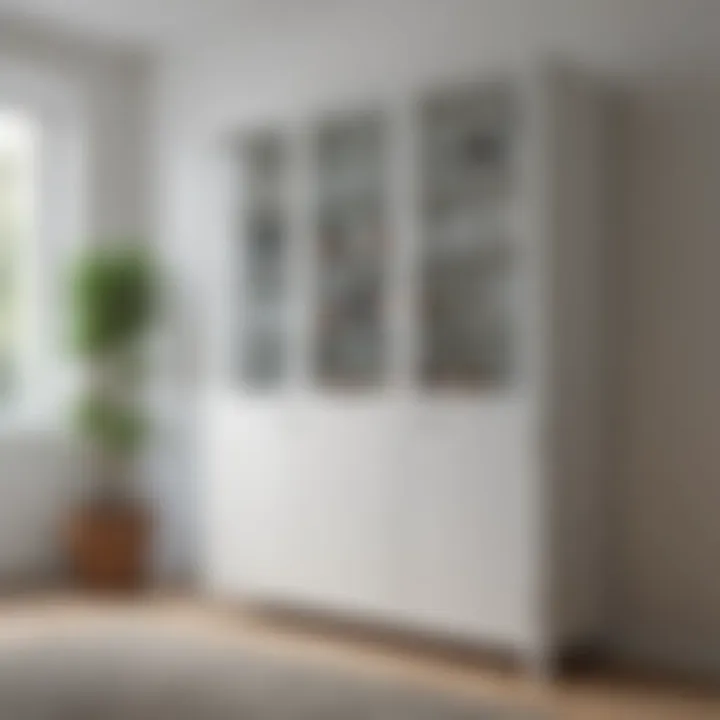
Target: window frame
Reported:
[(47, 376)]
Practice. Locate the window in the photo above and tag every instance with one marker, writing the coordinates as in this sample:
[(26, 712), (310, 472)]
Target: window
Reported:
[(18, 185)]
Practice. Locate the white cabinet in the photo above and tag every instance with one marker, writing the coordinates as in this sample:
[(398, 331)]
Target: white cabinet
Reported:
[(340, 521), (466, 540), (439, 468)]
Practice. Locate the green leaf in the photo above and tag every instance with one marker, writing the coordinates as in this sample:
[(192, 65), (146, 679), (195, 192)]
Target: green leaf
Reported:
[(114, 297), (115, 427)]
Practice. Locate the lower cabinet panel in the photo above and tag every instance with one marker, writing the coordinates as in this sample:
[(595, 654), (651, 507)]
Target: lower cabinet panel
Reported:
[(376, 509)]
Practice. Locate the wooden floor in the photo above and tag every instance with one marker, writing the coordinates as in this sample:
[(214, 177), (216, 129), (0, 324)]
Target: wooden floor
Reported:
[(593, 697)]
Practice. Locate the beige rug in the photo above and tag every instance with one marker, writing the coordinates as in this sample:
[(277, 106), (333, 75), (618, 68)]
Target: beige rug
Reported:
[(143, 672)]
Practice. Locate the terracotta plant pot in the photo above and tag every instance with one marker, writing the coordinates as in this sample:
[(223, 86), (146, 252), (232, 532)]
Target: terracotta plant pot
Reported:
[(108, 548)]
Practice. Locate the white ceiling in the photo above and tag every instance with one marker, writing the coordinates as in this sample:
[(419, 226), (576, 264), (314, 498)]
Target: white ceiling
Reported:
[(691, 25), (152, 22)]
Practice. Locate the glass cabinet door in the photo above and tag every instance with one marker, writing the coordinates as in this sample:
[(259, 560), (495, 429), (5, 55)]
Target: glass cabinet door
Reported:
[(352, 251), (466, 183), (263, 351)]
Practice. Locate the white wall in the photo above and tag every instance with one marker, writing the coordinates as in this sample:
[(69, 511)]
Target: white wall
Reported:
[(103, 93), (665, 592), (113, 85)]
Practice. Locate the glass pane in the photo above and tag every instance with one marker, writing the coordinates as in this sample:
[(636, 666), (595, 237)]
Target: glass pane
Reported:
[(263, 342), (352, 240), (466, 263)]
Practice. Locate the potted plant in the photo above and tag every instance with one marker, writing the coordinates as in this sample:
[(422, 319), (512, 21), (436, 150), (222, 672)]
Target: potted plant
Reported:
[(114, 297)]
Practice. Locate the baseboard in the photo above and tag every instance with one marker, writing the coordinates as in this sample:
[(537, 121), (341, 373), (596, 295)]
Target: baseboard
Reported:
[(648, 657), (48, 583), (383, 634), (695, 659), (16, 584)]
